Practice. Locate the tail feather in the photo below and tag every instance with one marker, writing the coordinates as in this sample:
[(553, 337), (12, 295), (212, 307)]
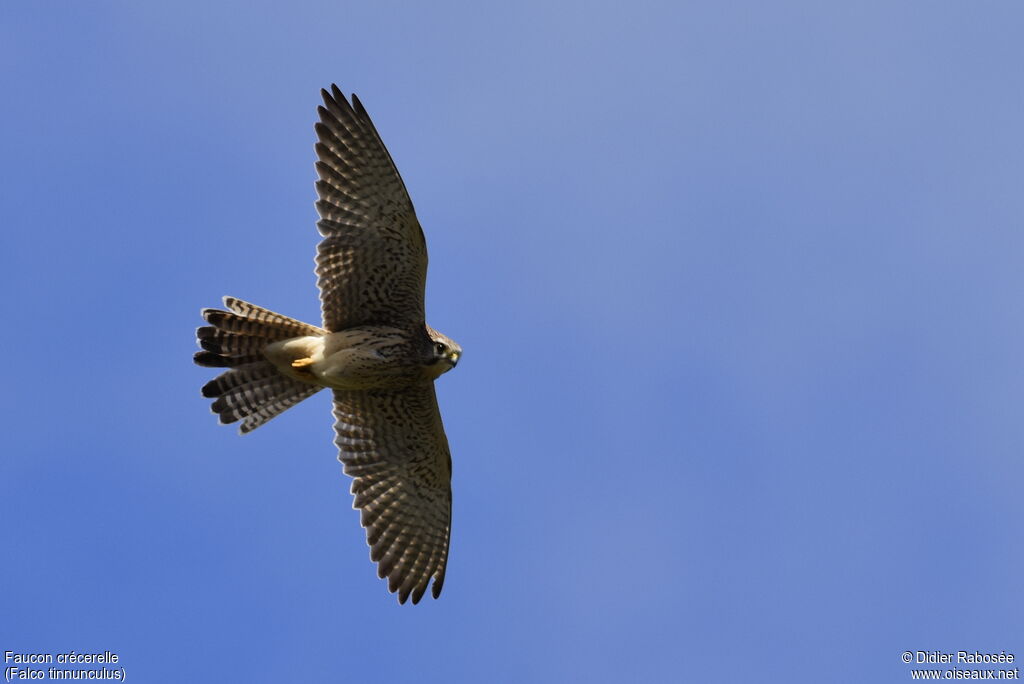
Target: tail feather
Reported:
[(259, 401), (208, 359), (229, 344), (252, 389), (277, 405), (265, 318), (246, 399), (239, 376)]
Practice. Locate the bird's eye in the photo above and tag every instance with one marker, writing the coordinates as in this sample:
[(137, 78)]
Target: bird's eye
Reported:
[(440, 348)]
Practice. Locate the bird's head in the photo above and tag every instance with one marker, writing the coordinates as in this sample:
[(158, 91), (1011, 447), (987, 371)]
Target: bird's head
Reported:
[(445, 353)]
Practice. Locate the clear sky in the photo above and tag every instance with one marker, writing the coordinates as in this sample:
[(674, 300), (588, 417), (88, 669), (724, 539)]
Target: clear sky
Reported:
[(739, 286)]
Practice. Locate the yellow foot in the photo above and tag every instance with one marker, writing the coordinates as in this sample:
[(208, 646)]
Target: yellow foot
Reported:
[(302, 363)]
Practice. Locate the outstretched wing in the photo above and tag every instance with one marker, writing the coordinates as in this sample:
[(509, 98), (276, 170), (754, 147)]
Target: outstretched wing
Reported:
[(371, 266), (393, 443)]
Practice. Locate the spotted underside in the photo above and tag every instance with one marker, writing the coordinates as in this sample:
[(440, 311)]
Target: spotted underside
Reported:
[(371, 268)]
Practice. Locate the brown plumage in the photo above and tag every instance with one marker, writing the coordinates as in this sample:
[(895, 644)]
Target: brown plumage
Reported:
[(375, 351)]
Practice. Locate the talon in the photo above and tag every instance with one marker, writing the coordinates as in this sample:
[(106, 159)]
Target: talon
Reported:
[(302, 363)]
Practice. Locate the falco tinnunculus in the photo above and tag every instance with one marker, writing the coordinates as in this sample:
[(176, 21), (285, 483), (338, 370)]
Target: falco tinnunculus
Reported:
[(375, 351)]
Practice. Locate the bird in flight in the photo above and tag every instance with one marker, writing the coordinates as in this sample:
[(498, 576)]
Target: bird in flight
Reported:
[(374, 351)]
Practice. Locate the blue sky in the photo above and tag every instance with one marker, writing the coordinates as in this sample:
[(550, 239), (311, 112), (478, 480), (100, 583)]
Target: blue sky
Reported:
[(740, 291)]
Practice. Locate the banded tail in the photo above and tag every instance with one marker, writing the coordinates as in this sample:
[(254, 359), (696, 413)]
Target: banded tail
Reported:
[(252, 390)]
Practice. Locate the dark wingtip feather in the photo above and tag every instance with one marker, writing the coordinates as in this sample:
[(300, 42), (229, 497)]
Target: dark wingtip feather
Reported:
[(376, 555), (358, 106), (322, 152), (323, 131), (435, 590)]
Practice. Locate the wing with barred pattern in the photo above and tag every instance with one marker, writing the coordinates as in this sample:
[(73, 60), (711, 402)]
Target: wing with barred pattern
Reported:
[(371, 265), (393, 444)]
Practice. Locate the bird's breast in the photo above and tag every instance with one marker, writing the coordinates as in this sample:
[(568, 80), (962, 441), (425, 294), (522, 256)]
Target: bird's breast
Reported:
[(367, 358)]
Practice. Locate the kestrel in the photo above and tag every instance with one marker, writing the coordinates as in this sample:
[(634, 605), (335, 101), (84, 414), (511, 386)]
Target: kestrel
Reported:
[(374, 351)]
